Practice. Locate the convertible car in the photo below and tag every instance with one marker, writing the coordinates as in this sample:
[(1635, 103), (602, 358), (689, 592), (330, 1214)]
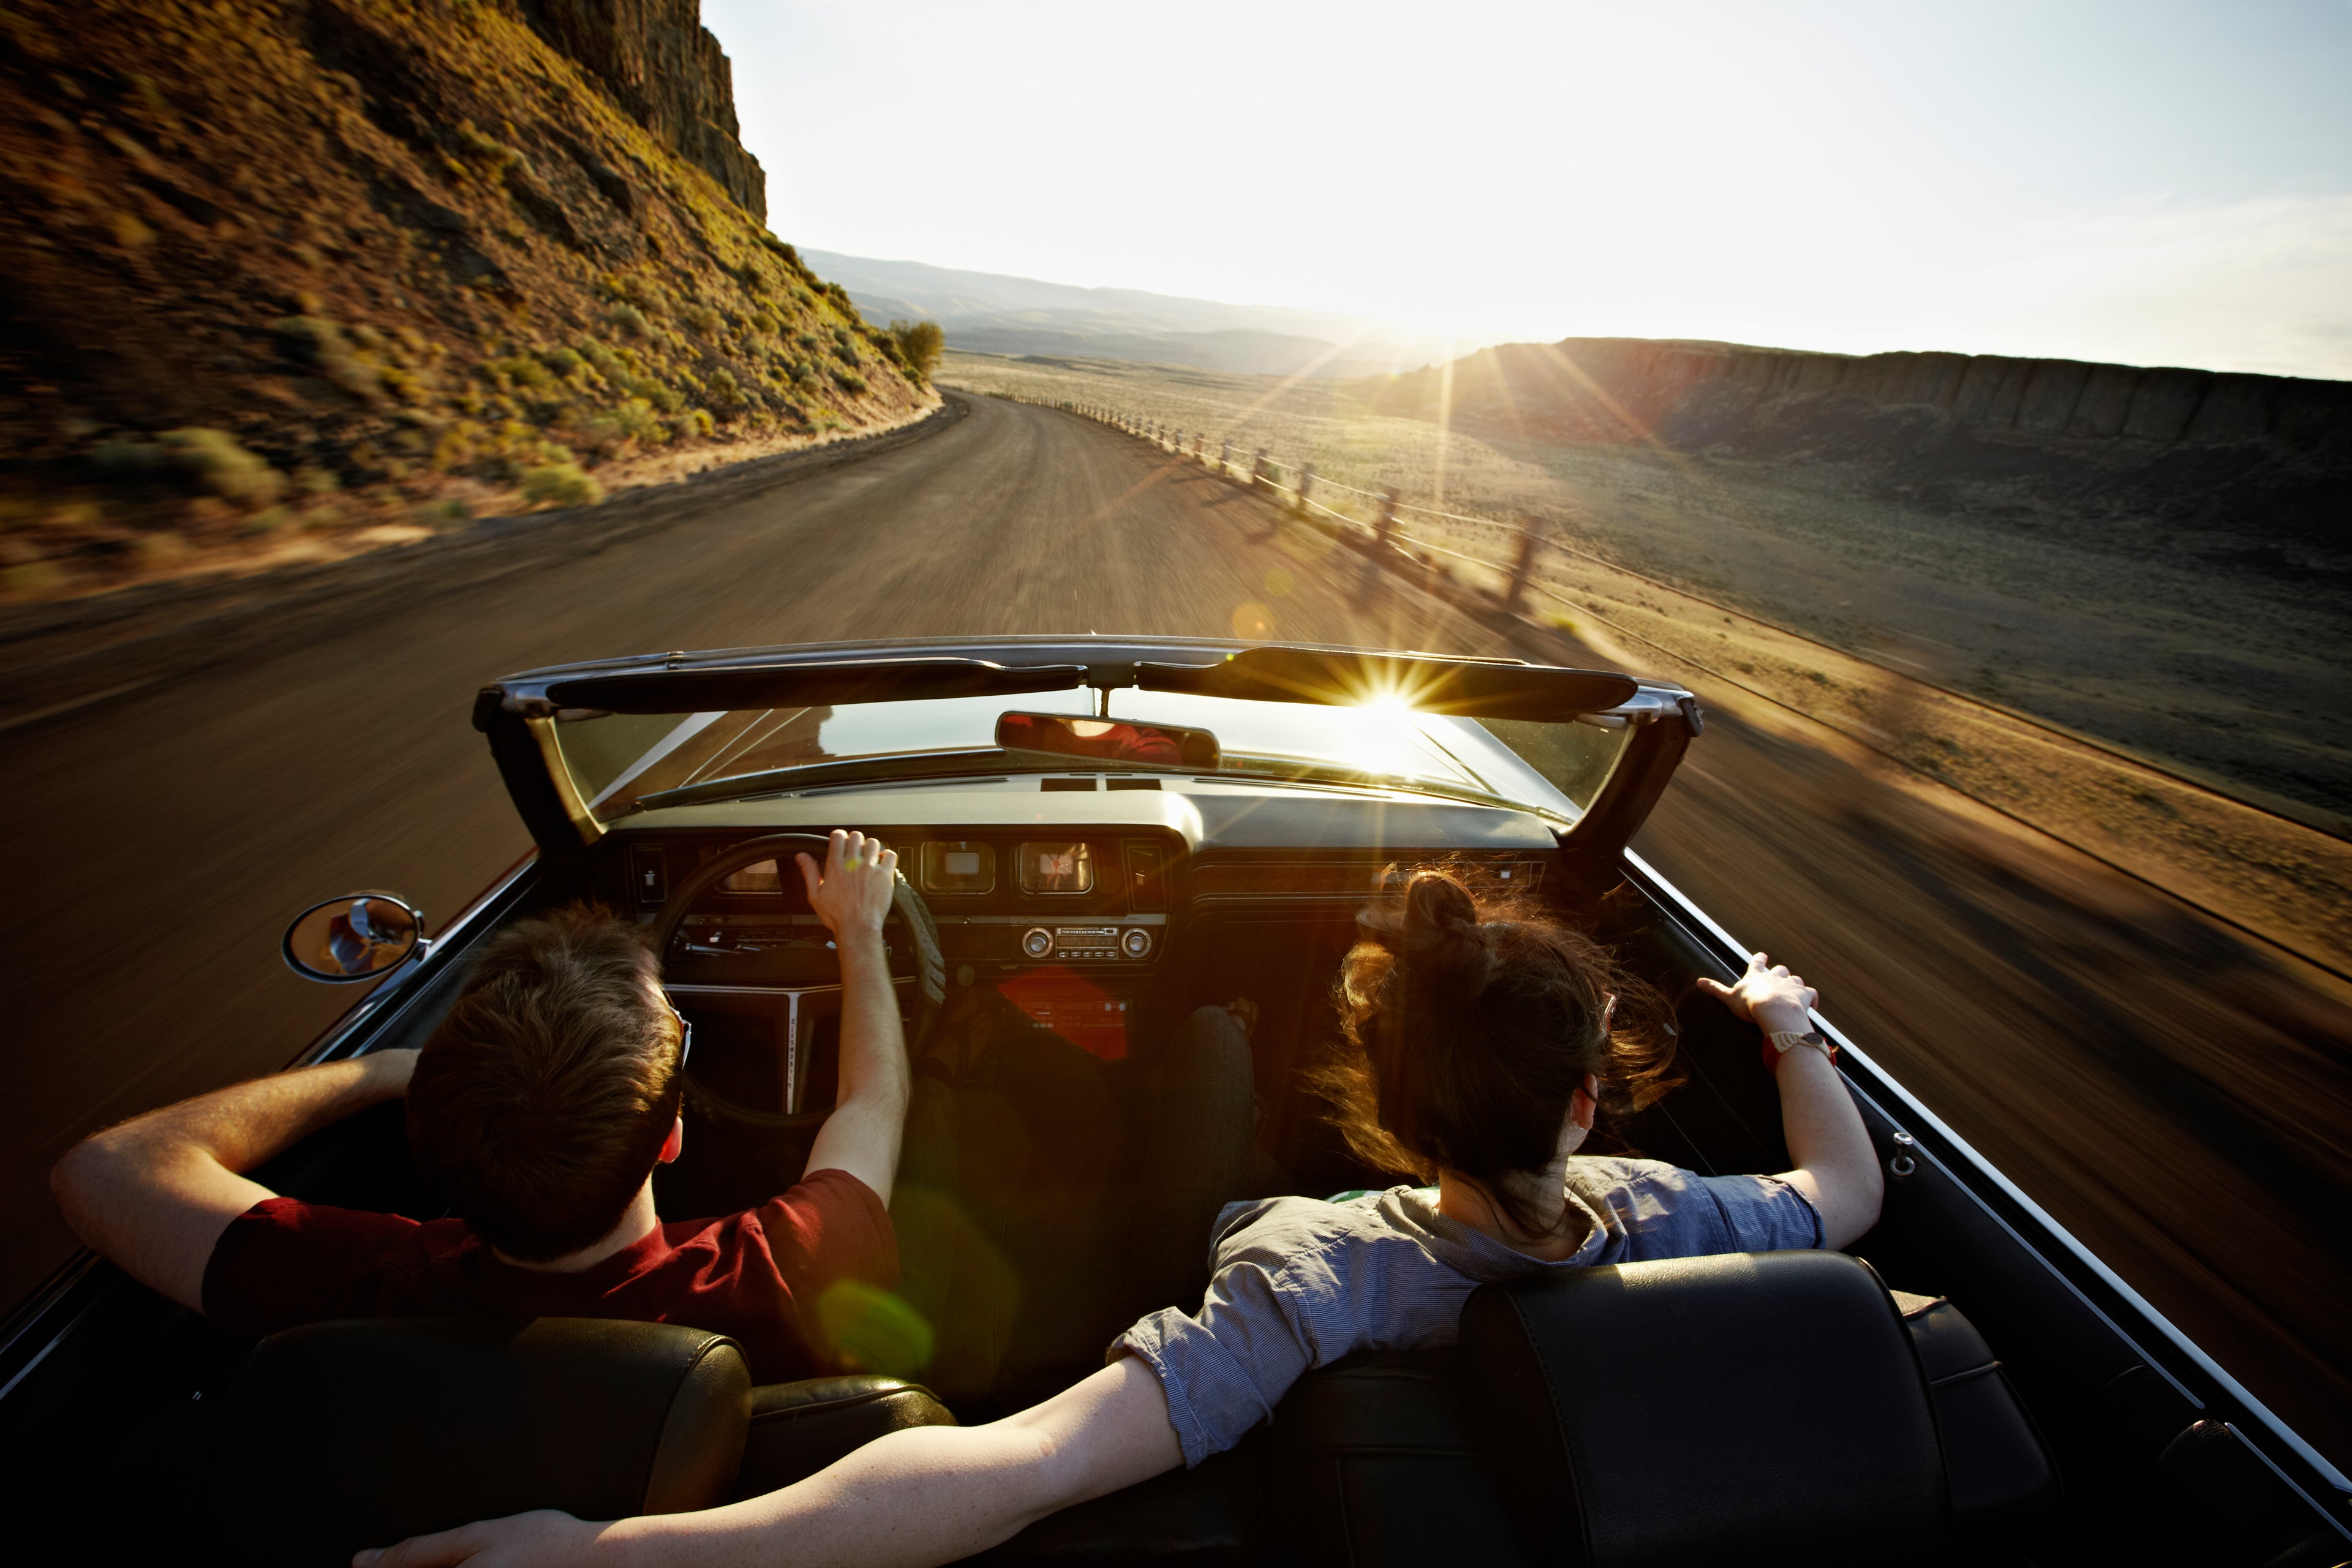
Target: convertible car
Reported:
[(1097, 836)]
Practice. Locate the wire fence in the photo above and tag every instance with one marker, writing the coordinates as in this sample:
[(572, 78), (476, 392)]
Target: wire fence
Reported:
[(1378, 521)]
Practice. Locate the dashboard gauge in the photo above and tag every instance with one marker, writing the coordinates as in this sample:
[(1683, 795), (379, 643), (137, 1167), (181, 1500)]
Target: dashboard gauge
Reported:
[(1058, 867), (763, 877), (958, 866)]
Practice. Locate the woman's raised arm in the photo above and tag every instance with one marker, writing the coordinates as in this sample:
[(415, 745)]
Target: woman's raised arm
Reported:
[(1836, 1167)]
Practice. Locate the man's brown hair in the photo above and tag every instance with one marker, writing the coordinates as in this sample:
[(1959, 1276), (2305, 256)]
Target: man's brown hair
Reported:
[(545, 1095)]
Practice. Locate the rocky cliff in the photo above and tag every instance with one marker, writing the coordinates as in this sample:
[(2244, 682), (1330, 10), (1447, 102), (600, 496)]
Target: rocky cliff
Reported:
[(2263, 457), (660, 64), (288, 272)]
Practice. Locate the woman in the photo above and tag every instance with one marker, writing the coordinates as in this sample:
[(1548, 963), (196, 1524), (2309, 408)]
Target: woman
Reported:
[(1479, 1048)]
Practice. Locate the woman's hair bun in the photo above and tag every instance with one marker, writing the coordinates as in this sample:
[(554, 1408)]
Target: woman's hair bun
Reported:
[(1436, 933)]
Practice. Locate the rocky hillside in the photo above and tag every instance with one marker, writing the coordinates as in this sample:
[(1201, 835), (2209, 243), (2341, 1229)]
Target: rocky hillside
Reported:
[(2264, 462), (286, 274)]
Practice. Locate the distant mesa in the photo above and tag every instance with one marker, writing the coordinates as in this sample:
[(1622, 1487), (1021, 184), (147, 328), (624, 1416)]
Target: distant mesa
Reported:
[(2266, 459), (2264, 456)]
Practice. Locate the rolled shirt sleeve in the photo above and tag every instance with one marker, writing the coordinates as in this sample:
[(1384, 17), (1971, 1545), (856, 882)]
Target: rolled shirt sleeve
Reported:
[(1224, 1368), (1297, 1285), (1656, 1210), (1764, 1213)]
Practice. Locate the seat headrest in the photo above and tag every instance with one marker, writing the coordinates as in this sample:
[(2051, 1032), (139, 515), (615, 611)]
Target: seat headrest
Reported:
[(361, 1433), (1745, 1408)]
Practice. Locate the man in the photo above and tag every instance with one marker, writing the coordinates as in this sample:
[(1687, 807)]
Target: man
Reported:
[(540, 1105)]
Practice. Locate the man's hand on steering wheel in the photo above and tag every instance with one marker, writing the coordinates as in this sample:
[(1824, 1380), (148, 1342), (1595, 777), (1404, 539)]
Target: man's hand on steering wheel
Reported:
[(852, 894)]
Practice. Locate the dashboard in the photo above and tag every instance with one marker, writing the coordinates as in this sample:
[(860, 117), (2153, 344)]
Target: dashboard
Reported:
[(1087, 895), (1081, 904), (1086, 871)]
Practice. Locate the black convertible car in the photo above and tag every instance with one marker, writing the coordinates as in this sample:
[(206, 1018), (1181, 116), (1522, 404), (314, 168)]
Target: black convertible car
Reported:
[(1099, 835)]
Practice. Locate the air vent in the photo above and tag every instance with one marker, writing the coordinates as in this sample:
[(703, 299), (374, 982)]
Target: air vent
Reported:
[(649, 875), (1065, 786), (1146, 876), (1131, 783)]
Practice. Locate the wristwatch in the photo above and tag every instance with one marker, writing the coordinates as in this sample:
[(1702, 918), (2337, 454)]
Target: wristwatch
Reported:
[(1778, 1044)]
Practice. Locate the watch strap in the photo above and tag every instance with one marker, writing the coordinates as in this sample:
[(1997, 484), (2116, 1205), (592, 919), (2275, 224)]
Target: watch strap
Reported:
[(1778, 1044)]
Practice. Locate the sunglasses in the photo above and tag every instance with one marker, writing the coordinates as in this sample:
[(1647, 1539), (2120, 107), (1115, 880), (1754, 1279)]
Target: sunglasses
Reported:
[(685, 1032)]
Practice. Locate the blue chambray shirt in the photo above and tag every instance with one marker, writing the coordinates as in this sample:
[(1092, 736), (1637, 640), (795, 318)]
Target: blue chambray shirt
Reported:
[(1298, 1283)]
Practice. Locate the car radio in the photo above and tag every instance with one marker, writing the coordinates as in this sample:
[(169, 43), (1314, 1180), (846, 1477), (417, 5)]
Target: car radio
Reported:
[(1080, 942)]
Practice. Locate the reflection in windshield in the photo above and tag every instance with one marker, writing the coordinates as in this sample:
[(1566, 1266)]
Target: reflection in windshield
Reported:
[(1383, 740)]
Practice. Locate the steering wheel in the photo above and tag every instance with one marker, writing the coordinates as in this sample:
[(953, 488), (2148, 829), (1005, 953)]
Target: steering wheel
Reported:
[(908, 912)]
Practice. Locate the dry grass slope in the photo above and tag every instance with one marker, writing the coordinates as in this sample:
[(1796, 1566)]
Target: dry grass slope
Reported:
[(284, 274)]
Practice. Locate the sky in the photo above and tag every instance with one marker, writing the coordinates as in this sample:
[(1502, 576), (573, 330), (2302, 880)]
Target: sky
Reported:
[(2150, 183)]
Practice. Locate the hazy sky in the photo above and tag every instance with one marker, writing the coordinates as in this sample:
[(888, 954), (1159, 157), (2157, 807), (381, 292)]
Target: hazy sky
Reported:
[(2141, 180)]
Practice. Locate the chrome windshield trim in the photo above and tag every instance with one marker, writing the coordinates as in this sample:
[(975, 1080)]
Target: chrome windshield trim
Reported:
[(1656, 699)]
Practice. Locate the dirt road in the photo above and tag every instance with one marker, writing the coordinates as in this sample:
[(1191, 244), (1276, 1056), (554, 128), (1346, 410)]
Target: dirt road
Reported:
[(2171, 1095)]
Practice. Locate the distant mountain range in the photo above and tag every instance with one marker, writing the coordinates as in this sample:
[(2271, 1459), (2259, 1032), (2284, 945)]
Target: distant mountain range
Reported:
[(989, 313)]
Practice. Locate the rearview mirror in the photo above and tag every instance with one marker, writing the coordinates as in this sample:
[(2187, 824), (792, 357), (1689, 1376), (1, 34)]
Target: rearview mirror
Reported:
[(1108, 740), (356, 937)]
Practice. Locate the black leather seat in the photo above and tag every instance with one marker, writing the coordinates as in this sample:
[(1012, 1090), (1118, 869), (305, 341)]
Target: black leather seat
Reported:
[(798, 1428), (1383, 1466), (1752, 1408), (2003, 1482), (369, 1431), (361, 1433), (1740, 1409)]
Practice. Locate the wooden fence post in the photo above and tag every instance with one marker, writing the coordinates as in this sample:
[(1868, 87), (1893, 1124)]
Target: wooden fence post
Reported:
[(1306, 487), (1259, 478), (1226, 459), (1387, 524), (1522, 569)]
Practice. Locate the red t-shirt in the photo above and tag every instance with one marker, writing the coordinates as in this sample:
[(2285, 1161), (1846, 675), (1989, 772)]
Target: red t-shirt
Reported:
[(756, 1276)]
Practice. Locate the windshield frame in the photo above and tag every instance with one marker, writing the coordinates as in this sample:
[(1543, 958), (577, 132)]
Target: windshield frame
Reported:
[(520, 715), (992, 763), (692, 758)]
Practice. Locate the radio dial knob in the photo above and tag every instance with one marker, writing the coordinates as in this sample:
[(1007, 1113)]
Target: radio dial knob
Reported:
[(1036, 941), (1138, 941)]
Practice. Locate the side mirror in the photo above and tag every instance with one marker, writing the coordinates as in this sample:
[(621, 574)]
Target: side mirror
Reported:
[(356, 937), (1109, 740)]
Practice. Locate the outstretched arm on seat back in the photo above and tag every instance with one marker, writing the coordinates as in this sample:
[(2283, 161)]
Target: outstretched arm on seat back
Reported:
[(918, 1497), (852, 896), (154, 1193), (1836, 1167)]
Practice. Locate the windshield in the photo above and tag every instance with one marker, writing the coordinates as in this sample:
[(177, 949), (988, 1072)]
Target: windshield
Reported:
[(618, 759)]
